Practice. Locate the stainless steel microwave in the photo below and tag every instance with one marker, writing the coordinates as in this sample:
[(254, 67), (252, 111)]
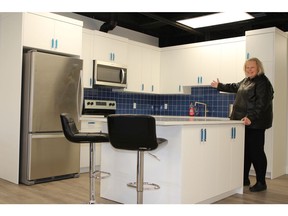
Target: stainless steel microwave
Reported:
[(109, 74)]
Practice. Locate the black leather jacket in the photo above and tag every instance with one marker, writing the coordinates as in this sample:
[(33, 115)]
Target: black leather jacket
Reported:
[(253, 99)]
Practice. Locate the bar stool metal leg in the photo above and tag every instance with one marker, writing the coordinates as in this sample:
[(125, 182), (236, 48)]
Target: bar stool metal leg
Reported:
[(140, 176), (140, 185), (91, 174)]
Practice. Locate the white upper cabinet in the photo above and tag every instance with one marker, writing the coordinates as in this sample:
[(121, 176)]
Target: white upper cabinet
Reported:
[(110, 48), (172, 65), (200, 63), (204, 64), (87, 56), (134, 68), (256, 42), (232, 59), (52, 32), (143, 68)]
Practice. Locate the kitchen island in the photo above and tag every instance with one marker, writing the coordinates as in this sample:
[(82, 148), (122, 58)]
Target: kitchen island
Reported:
[(202, 162)]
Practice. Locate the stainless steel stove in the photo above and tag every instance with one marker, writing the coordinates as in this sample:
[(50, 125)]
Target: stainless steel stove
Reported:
[(99, 107)]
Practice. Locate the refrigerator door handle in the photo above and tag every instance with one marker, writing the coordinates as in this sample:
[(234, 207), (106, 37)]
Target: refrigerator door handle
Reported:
[(50, 135), (81, 90)]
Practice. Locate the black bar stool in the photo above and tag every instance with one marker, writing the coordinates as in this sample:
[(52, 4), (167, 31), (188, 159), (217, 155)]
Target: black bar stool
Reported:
[(136, 133), (73, 135)]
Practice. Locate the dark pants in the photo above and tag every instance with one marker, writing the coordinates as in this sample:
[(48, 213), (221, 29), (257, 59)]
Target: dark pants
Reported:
[(254, 154)]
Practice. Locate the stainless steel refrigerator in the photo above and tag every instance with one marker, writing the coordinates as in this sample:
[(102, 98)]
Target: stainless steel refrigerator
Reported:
[(51, 85)]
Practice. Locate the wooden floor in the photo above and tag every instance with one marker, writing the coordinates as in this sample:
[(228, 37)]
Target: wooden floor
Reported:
[(276, 193), (75, 191)]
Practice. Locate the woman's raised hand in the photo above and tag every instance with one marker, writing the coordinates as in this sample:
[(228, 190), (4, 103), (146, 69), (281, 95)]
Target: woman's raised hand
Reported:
[(214, 83)]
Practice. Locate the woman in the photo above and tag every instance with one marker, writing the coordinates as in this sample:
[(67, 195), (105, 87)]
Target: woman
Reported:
[(252, 105)]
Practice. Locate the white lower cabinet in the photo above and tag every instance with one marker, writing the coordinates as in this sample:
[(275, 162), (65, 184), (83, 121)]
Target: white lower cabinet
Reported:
[(199, 164), (201, 167), (218, 154), (89, 126)]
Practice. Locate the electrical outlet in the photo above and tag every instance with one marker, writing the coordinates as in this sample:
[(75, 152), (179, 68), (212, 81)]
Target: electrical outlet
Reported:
[(165, 106), (134, 105)]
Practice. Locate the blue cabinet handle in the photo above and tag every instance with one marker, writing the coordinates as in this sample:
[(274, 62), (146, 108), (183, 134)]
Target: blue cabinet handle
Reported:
[(199, 80), (52, 43), (201, 135), (56, 44), (233, 133), (112, 56)]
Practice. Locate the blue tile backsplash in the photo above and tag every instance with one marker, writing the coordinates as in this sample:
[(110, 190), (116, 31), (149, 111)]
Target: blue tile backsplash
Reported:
[(177, 105)]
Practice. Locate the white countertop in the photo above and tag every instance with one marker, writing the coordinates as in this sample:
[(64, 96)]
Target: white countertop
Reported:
[(174, 120)]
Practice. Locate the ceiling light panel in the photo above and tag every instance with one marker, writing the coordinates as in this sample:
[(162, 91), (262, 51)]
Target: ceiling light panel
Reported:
[(216, 19)]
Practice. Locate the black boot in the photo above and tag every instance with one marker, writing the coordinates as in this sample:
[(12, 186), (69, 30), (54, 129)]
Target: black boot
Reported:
[(258, 187)]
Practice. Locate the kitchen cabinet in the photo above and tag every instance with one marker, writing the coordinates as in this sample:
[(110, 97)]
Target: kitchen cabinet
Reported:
[(219, 151), (204, 64), (270, 46), (221, 59), (205, 159), (236, 134), (143, 68), (203, 149), (52, 32), (232, 59), (89, 126), (87, 56), (230, 149), (200, 63), (110, 48), (173, 63)]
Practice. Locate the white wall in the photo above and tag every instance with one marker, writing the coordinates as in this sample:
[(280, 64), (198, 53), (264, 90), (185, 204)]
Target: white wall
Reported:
[(93, 24)]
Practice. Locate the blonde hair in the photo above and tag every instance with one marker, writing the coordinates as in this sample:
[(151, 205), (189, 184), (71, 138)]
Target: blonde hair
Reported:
[(258, 63)]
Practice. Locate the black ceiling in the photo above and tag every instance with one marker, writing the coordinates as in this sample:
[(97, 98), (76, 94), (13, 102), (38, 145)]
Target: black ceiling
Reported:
[(164, 26)]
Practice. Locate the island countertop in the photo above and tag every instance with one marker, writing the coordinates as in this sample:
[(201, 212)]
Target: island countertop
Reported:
[(174, 120)]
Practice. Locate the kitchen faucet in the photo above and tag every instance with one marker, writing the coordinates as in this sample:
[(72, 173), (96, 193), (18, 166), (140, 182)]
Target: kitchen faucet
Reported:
[(205, 107)]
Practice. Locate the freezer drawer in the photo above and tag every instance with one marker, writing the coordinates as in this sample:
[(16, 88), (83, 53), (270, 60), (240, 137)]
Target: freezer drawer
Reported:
[(50, 156)]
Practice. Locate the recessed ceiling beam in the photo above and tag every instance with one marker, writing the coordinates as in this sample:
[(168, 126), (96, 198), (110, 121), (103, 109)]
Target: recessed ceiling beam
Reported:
[(175, 24)]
